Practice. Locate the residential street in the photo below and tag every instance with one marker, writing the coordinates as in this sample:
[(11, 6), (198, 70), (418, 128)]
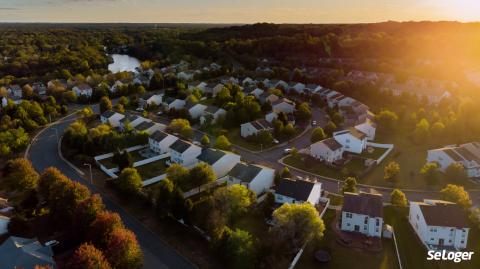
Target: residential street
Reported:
[(157, 254)]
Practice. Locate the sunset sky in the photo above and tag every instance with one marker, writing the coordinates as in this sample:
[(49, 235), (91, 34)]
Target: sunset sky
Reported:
[(237, 11)]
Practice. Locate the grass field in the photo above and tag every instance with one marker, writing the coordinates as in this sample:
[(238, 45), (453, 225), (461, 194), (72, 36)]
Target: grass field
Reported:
[(152, 169), (343, 257), (412, 251)]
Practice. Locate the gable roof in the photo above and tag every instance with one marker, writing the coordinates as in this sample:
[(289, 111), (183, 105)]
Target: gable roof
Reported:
[(18, 252), (158, 136), (211, 156), (298, 189), (244, 172), (363, 203), (180, 146), (107, 114), (331, 143), (212, 109), (352, 131), (144, 125), (444, 214), (261, 124), (129, 118)]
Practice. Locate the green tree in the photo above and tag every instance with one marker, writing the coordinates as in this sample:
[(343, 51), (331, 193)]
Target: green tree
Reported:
[(386, 120), (123, 251), (264, 137), (456, 173), (422, 130), (233, 201), (129, 181), (20, 175), (103, 225), (181, 126), (238, 248), (163, 198), (88, 257), (178, 174), (123, 159), (391, 171), (430, 173), (296, 224), (205, 141), (289, 130), (222, 143), (105, 104), (317, 135), (398, 198), (201, 174), (349, 185), (285, 173), (304, 112), (456, 194), (330, 128)]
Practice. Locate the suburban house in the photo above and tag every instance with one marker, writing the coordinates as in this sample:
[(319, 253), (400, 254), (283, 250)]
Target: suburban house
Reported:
[(132, 120), (467, 154), (352, 140), (83, 90), (57, 83), (184, 153), (196, 110), (440, 224), (151, 99), (150, 127), (216, 89), (18, 252), (257, 92), (111, 117), (160, 142), (278, 84), (328, 150), (255, 177), (15, 90), (197, 85), (345, 101), (114, 88), (362, 213), (298, 191), (267, 97), (228, 80), (254, 127), (332, 101), (186, 75), (174, 103), (39, 88), (312, 88), (297, 87), (248, 81), (283, 105), (368, 127), (212, 114), (220, 161)]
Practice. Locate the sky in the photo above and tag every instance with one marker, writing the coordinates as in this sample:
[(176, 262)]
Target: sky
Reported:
[(238, 11)]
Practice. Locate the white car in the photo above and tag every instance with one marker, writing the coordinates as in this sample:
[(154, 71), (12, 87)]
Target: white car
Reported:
[(159, 113), (314, 122), (275, 141), (139, 109), (287, 151)]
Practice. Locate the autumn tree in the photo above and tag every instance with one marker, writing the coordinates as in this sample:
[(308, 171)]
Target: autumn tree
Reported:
[(123, 251), (222, 143), (391, 171), (398, 198), (430, 173), (88, 256), (456, 173), (386, 119), (129, 181), (233, 201), (181, 126), (20, 175), (456, 194), (105, 104), (349, 185), (100, 229), (317, 135)]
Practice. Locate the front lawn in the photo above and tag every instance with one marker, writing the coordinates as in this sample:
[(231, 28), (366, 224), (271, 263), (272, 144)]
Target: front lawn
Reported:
[(412, 251), (374, 154), (152, 169), (235, 138), (344, 257)]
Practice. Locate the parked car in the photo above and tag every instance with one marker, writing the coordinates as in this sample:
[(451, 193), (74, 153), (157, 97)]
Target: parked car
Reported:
[(314, 122), (275, 141), (287, 151)]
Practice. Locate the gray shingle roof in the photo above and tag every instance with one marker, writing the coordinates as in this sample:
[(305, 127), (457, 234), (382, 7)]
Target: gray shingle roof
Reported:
[(180, 146), (332, 144), (444, 214), (298, 189), (144, 125), (158, 136), (363, 203), (107, 114), (244, 172), (211, 156), (17, 252)]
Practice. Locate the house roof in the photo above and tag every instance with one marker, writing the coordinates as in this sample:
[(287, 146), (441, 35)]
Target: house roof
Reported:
[(18, 252), (129, 118), (212, 109), (444, 214), (363, 203), (261, 124), (15, 87), (107, 114), (211, 156), (298, 189), (158, 136), (331, 143), (144, 125), (84, 87), (180, 146), (283, 100), (244, 172), (170, 100)]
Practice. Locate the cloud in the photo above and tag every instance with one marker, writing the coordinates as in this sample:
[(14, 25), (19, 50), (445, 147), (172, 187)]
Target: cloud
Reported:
[(9, 8)]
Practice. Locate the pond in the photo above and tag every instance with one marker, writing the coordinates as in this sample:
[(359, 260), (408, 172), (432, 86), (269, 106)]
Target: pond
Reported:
[(123, 62)]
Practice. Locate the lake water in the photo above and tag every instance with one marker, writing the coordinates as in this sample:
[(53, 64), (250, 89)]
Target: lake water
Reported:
[(122, 62)]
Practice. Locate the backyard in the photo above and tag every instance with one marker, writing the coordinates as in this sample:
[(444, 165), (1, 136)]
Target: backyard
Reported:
[(344, 257), (152, 169), (109, 164), (412, 251)]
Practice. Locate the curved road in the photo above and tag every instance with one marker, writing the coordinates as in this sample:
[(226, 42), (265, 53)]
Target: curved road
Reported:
[(43, 153)]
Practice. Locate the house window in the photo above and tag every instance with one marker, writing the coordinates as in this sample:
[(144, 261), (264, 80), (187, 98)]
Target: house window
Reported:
[(366, 220), (418, 217), (365, 227), (376, 230), (349, 215), (378, 222), (431, 239), (348, 140), (462, 242), (348, 224)]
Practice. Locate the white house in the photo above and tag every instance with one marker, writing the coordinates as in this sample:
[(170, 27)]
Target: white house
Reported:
[(4, 101), (15, 90), (439, 224), (257, 92), (256, 178), (160, 142), (39, 88), (220, 161), (115, 86), (132, 121), (267, 97), (270, 117), (312, 88), (4, 224), (217, 88), (297, 87), (198, 85), (298, 191), (345, 101), (186, 75), (150, 127), (352, 140), (247, 81), (278, 84), (283, 105), (368, 127), (362, 213), (174, 103), (328, 150), (467, 154), (212, 114), (153, 99), (83, 90), (196, 110), (184, 153), (254, 127), (111, 117), (332, 101)]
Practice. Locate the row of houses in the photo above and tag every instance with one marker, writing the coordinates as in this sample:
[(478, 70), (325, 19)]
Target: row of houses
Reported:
[(438, 224), (467, 154)]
